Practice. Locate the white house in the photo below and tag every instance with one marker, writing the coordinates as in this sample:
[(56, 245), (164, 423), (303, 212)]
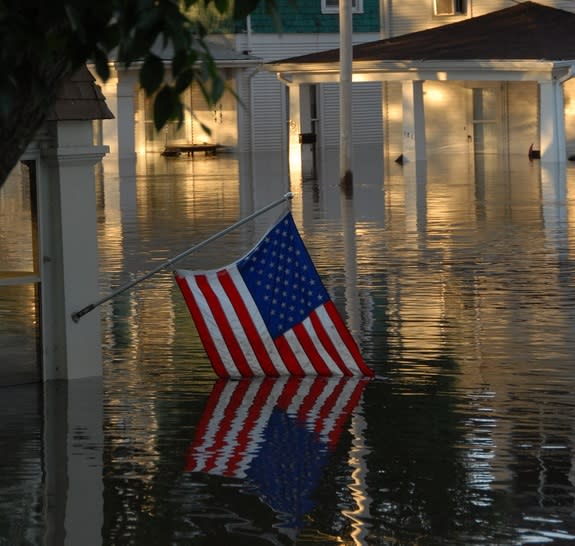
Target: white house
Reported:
[(496, 83)]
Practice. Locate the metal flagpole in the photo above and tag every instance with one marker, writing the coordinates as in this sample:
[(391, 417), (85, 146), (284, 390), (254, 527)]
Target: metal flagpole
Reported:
[(79, 314)]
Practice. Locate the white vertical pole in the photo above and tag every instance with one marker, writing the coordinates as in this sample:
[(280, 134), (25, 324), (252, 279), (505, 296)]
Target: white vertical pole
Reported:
[(413, 121), (70, 251), (551, 123), (345, 79)]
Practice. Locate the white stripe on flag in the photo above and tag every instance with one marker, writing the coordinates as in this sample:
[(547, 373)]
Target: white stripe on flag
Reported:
[(235, 324), (212, 326), (299, 352), (337, 341), (315, 338), (258, 321)]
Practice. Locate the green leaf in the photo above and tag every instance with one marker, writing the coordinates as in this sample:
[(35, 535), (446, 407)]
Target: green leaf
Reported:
[(222, 5), (166, 106), (218, 88), (205, 128), (101, 62), (151, 74), (242, 8), (182, 60), (185, 79), (75, 20)]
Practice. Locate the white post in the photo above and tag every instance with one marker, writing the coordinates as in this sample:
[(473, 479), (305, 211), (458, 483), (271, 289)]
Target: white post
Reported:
[(294, 124), (69, 271), (552, 123), (345, 84), (413, 121), (126, 91)]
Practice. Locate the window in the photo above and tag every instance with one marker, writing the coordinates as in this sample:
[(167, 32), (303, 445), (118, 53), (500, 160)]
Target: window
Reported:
[(448, 7), (332, 6)]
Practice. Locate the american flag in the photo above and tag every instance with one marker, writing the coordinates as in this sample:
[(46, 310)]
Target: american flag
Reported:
[(277, 434), (269, 314)]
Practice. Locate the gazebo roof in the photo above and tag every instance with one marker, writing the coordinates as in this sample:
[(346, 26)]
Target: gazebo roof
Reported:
[(80, 99), (523, 35)]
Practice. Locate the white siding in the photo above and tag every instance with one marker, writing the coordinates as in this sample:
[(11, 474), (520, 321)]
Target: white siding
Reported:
[(329, 115), (569, 88), (522, 108), (393, 119), (417, 15), (268, 109), (367, 118), (244, 119), (268, 113), (481, 7), (446, 127), (271, 47)]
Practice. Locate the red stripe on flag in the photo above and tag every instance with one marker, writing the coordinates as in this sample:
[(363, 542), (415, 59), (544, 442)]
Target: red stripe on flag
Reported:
[(202, 328), (247, 324), (202, 428), (226, 424), (227, 332), (289, 358), (328, 344), (309, 347), (245, 435), (347, 338)]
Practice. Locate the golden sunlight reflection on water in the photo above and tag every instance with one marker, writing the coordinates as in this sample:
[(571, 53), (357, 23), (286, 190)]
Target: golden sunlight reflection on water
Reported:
[(456, 278)]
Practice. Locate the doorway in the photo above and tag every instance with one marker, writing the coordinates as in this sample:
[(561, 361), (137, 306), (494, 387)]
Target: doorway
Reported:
[(488, 117)]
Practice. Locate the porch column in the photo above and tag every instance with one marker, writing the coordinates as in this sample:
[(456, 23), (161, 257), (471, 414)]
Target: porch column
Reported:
[(126, 113), (69, 273), (243, 87), (413, 121), (295, 128), (551, 122)]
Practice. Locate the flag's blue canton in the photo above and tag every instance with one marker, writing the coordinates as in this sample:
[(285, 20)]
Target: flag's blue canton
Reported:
[(282, 279)]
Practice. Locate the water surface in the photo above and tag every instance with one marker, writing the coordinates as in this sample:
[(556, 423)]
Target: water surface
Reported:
[(456, 278)]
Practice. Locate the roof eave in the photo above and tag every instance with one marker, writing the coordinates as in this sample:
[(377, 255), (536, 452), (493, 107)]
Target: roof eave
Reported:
[(442, 70)]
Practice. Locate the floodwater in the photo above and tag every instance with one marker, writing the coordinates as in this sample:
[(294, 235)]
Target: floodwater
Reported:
[(456, 277)]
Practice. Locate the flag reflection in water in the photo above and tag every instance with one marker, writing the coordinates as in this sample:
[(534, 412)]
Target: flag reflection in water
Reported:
[(275, 433)]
